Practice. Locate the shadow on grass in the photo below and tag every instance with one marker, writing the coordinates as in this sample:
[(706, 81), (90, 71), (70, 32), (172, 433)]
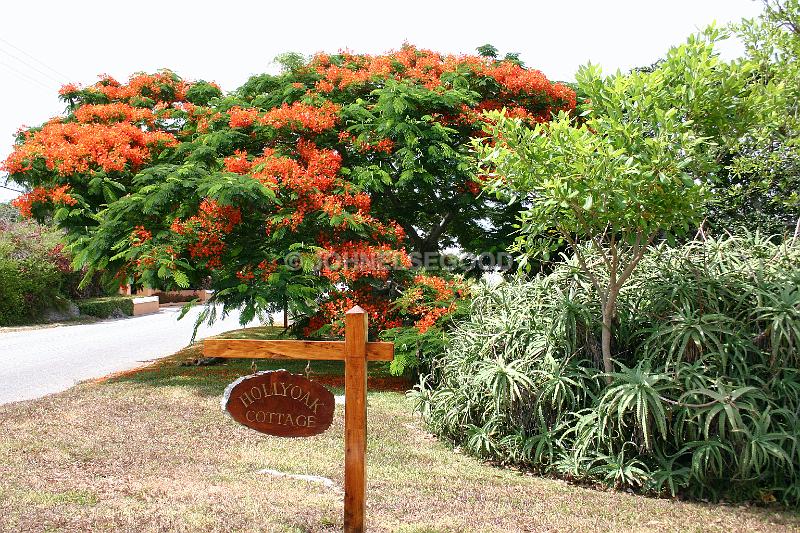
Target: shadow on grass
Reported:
[(179, 370)]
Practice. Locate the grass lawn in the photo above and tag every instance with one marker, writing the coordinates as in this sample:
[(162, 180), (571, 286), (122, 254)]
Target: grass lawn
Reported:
[(151, 451)]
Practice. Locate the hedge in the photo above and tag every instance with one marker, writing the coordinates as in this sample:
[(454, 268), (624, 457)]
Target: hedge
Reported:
[(107, 306)]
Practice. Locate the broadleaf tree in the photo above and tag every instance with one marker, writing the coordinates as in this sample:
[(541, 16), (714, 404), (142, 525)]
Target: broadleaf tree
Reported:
[(622, 175)]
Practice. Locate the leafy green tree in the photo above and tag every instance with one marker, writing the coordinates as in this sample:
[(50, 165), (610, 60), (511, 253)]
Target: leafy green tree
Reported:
[(746, 110), (621, 176), (290, 60)]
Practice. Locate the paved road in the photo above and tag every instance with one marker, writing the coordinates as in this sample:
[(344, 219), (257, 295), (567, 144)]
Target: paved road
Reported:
[(37, 362)]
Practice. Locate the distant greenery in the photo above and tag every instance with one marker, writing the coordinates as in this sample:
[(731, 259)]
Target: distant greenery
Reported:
[(705, 388), (8, 214), (759, 185), (27, 287)]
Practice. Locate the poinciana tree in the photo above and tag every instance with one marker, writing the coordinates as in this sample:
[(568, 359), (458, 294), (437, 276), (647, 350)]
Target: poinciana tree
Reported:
[(301, 189)]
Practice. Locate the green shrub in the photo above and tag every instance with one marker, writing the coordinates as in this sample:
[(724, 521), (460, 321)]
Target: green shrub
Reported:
[(35, 270), (705, 396), (32, 270), (107, 306), (27, 288)]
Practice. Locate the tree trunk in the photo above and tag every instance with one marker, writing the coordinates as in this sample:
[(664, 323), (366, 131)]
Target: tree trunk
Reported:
[(606, 345), (609, 306)]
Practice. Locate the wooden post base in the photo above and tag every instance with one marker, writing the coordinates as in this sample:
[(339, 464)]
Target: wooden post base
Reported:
[(355, 419)]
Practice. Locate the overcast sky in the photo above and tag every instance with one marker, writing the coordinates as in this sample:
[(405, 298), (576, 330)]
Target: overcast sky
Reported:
[(44, 45)]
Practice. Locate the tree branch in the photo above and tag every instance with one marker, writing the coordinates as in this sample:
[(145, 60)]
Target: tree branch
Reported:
[(582, 262), (437, 231), (639, 250)]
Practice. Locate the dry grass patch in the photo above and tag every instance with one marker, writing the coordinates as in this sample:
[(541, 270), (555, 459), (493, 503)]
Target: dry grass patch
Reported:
[(151, 451)]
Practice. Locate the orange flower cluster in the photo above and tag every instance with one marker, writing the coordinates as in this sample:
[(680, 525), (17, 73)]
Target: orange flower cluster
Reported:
[(422, 65), (351, 260), (299, 115), (209, 228), (161, 87), (242, 117), (108, 136), (515, 80), (39, 195), (140, 235), (296, 116), (431, 316), (310, 181), (428, 67), (245, 275), (320, 163), (267, 267), (383, 145), (381, 312), (361, 201), (271, 169), (442, 288), (238, 163), (72, 147), (430, 299), (262, 271), (115, 112), (68, 89)]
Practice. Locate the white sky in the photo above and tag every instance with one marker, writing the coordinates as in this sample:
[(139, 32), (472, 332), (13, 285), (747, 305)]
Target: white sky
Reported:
[(44, 45)]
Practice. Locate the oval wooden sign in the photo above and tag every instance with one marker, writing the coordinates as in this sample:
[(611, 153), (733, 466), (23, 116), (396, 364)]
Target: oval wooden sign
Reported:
[(279, 403)]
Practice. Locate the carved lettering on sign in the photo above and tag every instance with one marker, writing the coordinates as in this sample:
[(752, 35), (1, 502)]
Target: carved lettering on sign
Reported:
[(280, 403)]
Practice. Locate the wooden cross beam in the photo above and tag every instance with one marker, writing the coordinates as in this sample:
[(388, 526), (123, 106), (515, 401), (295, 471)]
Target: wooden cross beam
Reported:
[(355, 351), (314, 350)]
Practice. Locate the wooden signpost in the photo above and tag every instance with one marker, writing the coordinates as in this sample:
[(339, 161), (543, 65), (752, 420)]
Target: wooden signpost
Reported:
[(281, 393)]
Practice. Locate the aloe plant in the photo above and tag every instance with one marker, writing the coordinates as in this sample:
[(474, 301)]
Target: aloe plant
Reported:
[(704, 397)]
